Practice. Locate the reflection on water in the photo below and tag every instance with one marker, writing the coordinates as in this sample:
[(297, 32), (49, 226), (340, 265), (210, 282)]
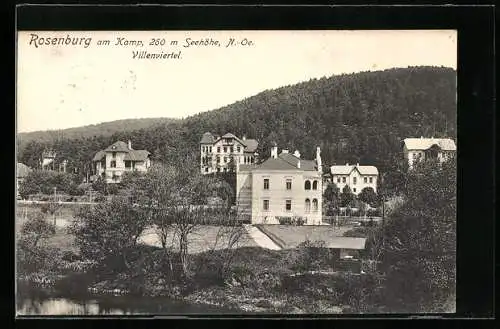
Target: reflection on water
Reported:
[(43, 302), (61, 306)]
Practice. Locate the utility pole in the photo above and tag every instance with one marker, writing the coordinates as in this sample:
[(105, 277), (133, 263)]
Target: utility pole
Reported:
[(55, 196)]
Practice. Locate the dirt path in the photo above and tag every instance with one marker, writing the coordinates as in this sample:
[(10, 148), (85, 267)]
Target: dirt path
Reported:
[(260, 238)]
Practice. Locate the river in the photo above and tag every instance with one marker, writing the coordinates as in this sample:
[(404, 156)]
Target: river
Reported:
[(39, 302)]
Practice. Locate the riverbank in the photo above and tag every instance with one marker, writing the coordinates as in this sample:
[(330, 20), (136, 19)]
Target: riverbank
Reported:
[(257, 281)]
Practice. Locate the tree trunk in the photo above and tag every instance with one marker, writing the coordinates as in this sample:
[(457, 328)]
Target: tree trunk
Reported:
[(183, 254)]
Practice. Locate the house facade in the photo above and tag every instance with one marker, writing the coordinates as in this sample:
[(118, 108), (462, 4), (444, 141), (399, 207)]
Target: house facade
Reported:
[(22, 171), (119, 158), (282, 187), (420, 149), (223, 153), (355, 176)]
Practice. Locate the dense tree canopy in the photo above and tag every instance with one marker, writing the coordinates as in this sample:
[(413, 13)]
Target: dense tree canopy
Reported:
[(419, 255)]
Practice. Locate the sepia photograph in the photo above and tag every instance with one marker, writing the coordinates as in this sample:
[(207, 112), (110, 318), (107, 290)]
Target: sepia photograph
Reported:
[(236, 172)]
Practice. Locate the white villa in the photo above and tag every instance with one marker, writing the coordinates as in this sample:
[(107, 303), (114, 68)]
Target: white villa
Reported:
[(355, 176), (283, 186), (418, 149), (119, 158), (221, 154)]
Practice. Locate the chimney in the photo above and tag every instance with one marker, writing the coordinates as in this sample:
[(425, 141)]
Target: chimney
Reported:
[(347, 164), (357, 164), (244, 138), (129, 144), (285, 151), (318, 159), (421, 137), (298, 164), (274, 151), (297, 154)]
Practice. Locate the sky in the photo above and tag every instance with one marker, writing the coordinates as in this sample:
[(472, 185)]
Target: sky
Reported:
[(63, 86)]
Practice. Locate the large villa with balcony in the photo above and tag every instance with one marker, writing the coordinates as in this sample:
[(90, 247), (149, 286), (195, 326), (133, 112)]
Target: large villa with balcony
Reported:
[(118, 159), (220, 154)]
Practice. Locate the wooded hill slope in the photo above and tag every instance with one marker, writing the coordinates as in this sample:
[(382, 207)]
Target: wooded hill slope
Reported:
[(361, 117)]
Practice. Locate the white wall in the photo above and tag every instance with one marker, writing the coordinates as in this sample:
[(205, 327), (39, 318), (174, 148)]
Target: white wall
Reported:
[(278, 194)]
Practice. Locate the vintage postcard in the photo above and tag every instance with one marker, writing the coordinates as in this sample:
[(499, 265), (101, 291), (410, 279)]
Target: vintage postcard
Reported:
[(236, 172)]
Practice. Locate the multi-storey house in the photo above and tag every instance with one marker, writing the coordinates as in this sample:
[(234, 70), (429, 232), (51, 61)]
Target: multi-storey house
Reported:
[(283, 186), (419, 149), (224, 154), (355, 176), (118, 159)]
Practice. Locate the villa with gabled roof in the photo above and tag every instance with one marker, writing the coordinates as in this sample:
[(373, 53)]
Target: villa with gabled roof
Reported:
[(419, 149), (355, 176), (118, 158), (224, 153)]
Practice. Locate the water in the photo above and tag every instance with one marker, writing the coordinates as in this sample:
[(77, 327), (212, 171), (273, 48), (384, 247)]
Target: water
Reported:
[(37, 302)]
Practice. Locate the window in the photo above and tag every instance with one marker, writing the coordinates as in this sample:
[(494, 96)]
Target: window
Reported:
[(288, 205), (414, 155), (210, 149), (315, 185), (206, 169), (265, 205), (226, 160), (231, 149), (354, 180), (114, 154), (354, 190), (225, 149), (288, 184), (315, 205), (251, 160), (128, 164), (308, 205), (343, 179), (366, 179), (218, 149), (218, 169), (371, 179), (218, 159), (338, 179), (266, 184), (307, 185), (238, 149), (113, 164)]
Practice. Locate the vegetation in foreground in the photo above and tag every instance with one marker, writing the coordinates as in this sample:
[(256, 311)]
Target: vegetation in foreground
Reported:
[(411, 256)]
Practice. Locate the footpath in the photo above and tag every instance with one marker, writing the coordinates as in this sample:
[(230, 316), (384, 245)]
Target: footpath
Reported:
[(260, 238)]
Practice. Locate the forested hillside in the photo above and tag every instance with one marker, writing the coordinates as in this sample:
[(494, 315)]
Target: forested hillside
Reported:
[(358, 117), (101, 129)]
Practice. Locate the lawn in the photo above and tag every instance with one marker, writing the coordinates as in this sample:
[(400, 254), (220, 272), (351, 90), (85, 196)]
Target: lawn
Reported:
[(289, 236), (203, 238)]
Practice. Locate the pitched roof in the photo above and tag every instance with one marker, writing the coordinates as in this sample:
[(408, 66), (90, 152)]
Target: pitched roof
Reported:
[(347, 169), (136, 155), (99, 155), (229, 135), (446, 144), (207, 138), (247, 167), (250, 145), (287, 161), (22, 170), (342, 242), (117, 147)]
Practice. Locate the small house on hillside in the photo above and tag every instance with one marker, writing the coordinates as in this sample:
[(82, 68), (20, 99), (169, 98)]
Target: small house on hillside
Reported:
[(119, 158), (420, 149)]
